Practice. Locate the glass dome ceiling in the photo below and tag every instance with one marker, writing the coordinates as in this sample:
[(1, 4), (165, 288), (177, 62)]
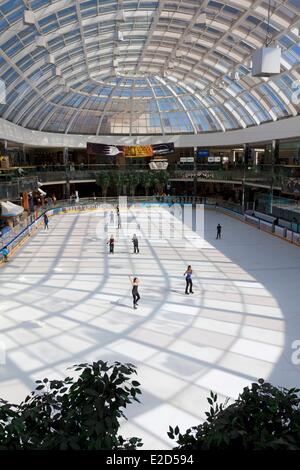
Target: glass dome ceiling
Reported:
[(103, 67)]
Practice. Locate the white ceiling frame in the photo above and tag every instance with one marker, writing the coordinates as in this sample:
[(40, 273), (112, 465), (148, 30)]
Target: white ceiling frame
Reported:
[(77, 3)]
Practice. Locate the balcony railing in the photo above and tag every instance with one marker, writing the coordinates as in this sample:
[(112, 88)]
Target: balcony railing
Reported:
[(11, 187), (260, 174)]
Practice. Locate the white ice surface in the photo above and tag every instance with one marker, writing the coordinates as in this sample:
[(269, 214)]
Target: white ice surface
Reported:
[(63, 299)]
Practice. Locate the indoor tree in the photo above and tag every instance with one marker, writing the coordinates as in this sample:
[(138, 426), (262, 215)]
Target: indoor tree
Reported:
[(263, 417), (146, 180), (104, 180), (133, 181), (74, 413), (161, 178)]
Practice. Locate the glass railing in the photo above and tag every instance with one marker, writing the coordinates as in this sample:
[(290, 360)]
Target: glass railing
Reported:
[(277, 175)]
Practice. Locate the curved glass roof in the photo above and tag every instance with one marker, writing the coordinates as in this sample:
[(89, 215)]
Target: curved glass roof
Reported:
[(145, 67)]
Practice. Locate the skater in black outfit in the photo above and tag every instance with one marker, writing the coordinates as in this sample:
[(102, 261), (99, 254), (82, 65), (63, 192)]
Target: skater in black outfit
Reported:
[(188, 278), (135, 242), (111, 243), (219, 229), (135, 292)]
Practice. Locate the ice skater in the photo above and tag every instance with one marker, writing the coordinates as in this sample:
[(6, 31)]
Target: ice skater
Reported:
[(188, 278), (111, 243), (135, 290), (135, 242), (46, 221), (5, 253), (219, 229)]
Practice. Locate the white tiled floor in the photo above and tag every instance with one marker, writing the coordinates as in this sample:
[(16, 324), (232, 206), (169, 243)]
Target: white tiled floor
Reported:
[(63, 299)]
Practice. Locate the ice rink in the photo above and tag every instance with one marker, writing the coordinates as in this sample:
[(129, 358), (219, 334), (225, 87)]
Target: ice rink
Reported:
[(65, 300)]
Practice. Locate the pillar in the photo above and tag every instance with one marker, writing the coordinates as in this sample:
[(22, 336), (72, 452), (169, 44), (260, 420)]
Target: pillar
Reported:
[(275, 152), (247, 154), (65, 155)]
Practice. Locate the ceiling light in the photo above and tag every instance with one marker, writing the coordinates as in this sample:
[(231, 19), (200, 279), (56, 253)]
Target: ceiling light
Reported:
[(120, 36), (29, 17), (2, 92), (235, 76), (201, 19), (40, 41), (188, 38), (120, 16), (266, 62), (51, 59)]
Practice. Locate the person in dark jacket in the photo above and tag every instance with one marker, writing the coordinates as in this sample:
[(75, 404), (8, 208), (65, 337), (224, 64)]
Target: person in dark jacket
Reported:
[(111, 243), (135, 242), (219, 229), (46, 221)]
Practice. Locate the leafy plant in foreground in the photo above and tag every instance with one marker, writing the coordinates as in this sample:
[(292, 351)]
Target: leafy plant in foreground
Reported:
[(74, 413), (263, 417)]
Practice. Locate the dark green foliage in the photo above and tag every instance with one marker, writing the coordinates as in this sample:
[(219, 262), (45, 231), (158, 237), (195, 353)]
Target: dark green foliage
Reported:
[(126, 182), (160, 179), (75, 413), (104, 180), (263, 417)]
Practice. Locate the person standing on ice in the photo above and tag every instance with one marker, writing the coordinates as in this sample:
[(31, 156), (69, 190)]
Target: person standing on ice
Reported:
[(111, 243), (219, 229), (135, 290), (135, 242), (46, 221), (188, 279), (5, 253)]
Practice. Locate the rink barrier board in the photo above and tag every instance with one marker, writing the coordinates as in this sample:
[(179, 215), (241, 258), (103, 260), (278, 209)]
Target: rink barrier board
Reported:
[(280, 232), (18, 241)]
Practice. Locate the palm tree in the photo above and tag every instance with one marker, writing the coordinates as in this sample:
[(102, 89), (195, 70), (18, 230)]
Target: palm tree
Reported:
[(160, 180), (133, 181), (146, 179), (104, 180), (117, 181)]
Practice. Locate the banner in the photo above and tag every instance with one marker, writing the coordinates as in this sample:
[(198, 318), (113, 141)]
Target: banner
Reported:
[(103, 149), (138, 151), (130, 151)]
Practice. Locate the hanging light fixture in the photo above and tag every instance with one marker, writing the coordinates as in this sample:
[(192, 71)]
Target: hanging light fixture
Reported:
[(235, 76), (201, 19), (120, 16), (266, 60), (189, 38), (29, 18), (179, 53), (40, 41)]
